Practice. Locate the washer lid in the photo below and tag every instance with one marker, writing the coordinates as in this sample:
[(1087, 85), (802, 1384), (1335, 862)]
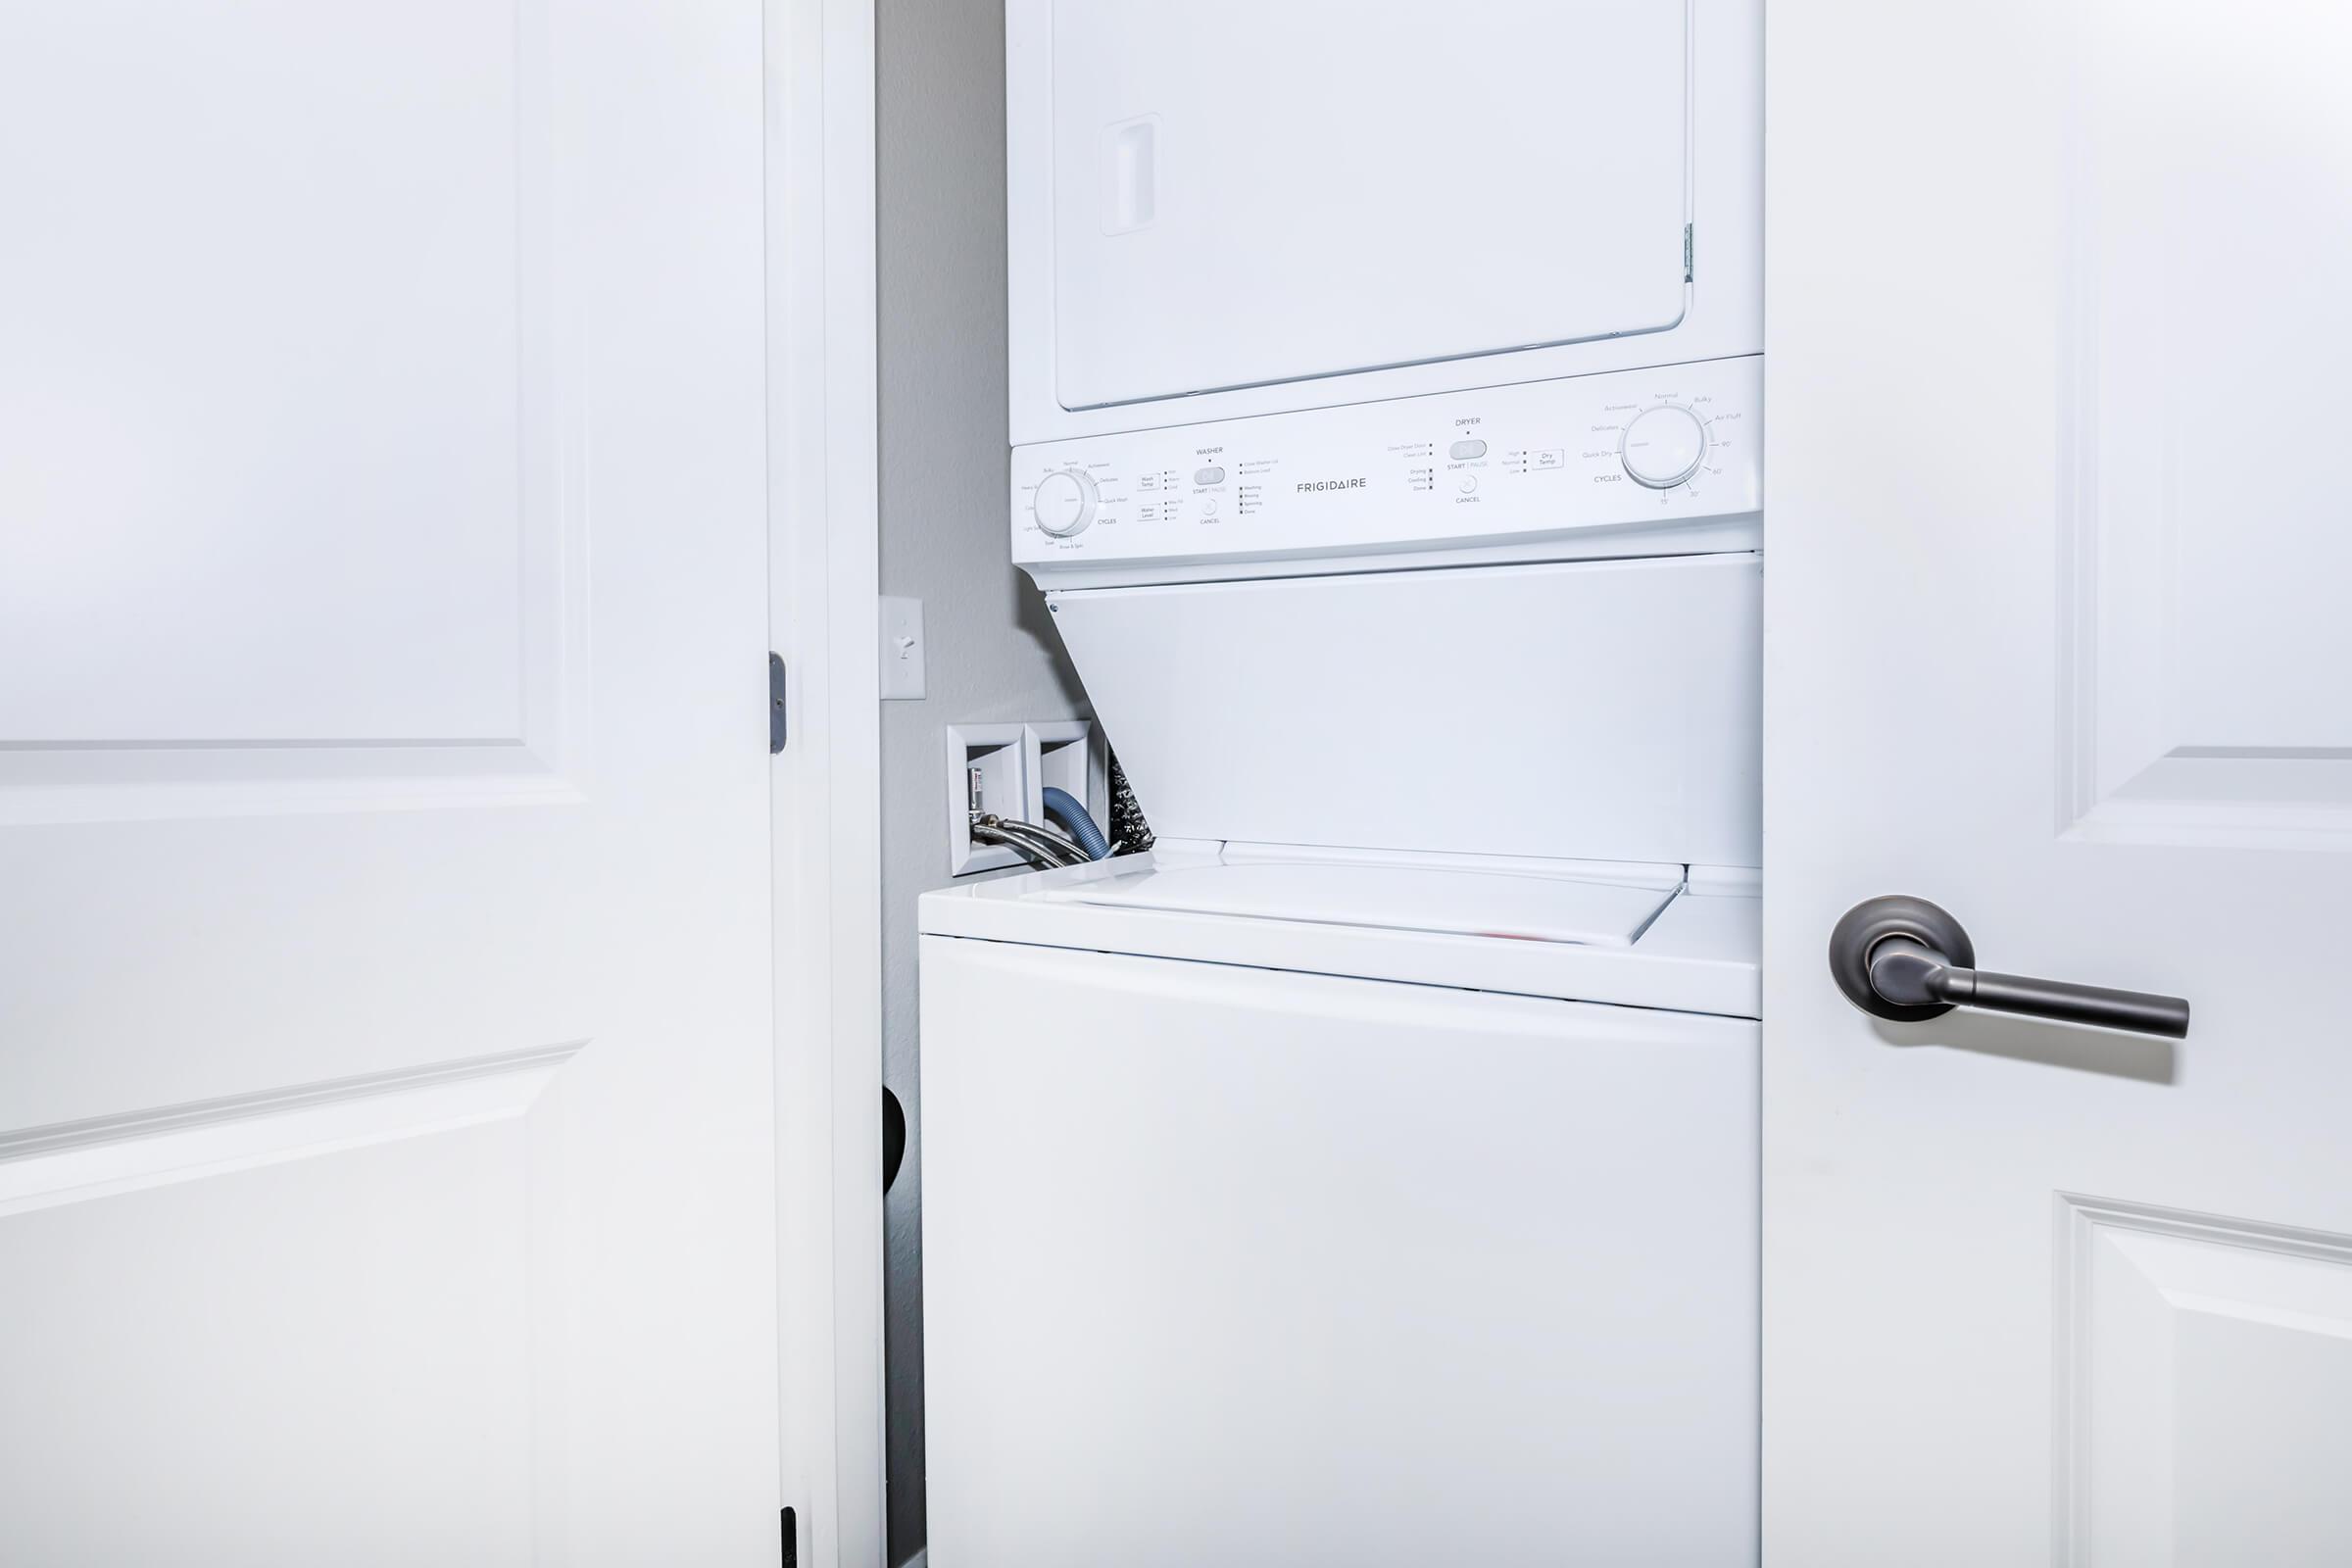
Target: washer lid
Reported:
[(1521, 906), (1598, 935)]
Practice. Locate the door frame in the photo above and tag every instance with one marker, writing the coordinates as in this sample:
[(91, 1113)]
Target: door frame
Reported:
[(825, 803)]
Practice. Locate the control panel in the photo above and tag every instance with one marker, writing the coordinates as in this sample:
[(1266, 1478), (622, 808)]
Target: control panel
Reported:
[(1557, 468)]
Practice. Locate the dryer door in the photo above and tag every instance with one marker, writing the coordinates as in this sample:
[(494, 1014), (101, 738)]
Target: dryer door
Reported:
[(1247, 193)]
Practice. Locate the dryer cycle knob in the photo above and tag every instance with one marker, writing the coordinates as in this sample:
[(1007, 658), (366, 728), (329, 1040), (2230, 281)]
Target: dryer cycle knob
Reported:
[(1065, 502), (1663, 446)]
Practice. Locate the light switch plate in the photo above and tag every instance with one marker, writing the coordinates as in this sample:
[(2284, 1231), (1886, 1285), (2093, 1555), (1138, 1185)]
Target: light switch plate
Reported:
[(901, 622)]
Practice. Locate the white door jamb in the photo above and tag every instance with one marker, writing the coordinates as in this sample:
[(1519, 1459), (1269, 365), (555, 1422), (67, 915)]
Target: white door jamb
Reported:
[(827, 820)]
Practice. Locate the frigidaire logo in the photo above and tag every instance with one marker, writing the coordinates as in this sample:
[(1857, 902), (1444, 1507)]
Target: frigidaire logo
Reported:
[(1332, 484)]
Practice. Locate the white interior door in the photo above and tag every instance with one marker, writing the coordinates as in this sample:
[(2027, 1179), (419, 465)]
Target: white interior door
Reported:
[(386, 1167), (2056, 638)]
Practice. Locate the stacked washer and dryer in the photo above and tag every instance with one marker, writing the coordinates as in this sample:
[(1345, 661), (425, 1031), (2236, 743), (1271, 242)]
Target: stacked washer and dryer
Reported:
[(1368, 1174)]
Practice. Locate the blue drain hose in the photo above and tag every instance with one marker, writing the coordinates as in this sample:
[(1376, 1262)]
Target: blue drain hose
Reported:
[(1062, 809)]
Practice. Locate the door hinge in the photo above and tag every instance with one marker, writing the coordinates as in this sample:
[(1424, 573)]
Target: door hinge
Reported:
[(776, 703), (1686, 253)]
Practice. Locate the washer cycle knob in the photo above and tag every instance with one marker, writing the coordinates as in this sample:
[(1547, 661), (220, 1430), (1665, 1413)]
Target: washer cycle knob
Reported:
[(1663, 446), (1065, 502)]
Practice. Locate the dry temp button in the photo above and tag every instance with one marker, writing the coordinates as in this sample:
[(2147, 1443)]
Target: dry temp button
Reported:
[(1464, 451), (1211, 475)]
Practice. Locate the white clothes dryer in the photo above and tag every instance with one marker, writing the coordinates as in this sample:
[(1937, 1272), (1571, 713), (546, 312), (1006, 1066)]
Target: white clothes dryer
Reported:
[(1227, 209)]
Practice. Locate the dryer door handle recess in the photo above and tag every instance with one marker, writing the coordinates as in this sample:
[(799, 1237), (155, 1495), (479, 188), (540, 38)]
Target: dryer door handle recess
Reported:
[(1907, 960)]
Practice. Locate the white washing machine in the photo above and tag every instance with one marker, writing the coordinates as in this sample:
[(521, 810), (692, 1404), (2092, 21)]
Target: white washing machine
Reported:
[(1367, 1175), (1289, 1202), (1297, 1210)]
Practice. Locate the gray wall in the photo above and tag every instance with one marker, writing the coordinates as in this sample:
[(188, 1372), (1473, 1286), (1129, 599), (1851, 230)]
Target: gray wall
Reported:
[(992, 654)]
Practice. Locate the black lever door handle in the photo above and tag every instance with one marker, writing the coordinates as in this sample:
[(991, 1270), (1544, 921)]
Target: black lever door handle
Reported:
[(1906, 959)]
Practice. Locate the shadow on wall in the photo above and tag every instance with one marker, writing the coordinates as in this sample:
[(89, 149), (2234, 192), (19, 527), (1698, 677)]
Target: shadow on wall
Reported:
[(995, 657), (1030, 615), (2145, 1057)]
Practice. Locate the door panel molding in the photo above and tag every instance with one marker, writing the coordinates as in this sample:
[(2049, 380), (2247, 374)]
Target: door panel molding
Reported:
[(2197, 591), (2162, 1316), (438, 518), (72, 1162)]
